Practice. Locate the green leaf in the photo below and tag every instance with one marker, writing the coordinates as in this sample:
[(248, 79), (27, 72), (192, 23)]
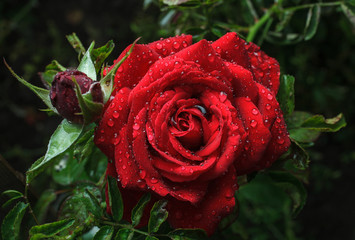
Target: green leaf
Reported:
[(299, 155), (12, 193), (151, 238), (50, 229), (124, 234), (10, 227), (349, 13), (76, 44), (187, 234), (286, 94), (319, 123), (312, 22), (42, 93), (107, 82), (43, 203), (100, 54), (63, 137), (137, 211), (115, 199), (158, 215), (86, 64), (89, 108), (293, 187), (105, 233)]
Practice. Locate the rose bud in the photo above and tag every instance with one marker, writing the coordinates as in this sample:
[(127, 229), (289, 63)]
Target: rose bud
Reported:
[(64, 98)]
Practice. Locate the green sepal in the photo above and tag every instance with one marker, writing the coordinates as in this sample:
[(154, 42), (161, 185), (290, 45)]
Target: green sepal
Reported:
[(63, 137), (42, 93), (137, 211), (76, 44), (187, 234), (286, 96), (158, 215), (10, 227), (115, 199), (98, 55), (107, 82), (90, 109), (48, 230), (86, 64), (105, 233)]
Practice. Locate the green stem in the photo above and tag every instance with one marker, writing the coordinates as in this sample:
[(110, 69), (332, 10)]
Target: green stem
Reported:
[(329, 4), (255, 28), (125, 226), (29, 205)]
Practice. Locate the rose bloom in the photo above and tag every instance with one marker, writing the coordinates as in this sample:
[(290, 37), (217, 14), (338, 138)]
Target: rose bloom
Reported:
[(185, 120)]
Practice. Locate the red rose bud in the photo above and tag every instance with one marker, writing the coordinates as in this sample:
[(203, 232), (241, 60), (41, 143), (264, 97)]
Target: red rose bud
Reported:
[(64, 97)]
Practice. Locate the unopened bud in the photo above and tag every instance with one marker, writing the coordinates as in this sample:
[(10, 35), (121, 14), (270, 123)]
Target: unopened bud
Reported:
[(63, 95)]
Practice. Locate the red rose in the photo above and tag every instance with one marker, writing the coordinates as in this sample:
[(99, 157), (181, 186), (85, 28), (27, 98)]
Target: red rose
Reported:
[(184, 120)]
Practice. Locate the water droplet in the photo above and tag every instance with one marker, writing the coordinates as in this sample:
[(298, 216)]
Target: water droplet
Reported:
[(184, 44), (159, 45), (116, 140), (218, 49), (269, 96), (191, 171), (177, 64), (280, 140), (268, 106), (115, 114), (153, 180), (142, 174), (176, 45), (150, 137), (136, 126), (213, 212), (210, 57), (124, 167), (278, 119), (222, 96), (253, 123), (110, 122), (229, 193), (101, 139), (254, 111)]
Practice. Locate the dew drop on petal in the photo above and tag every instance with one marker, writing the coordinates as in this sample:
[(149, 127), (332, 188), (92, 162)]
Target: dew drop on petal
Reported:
[(269, 96), (124, 167), (254, 111), (115, 114), (142, 174), (116, 140), (253, 123), (210, 57), (136, 126), (268, 106), (177, 65), (176, 45), (110, 122), (222, 96), (213, 212), (280, 140), (150, 137), (159, 45), (153, 180)]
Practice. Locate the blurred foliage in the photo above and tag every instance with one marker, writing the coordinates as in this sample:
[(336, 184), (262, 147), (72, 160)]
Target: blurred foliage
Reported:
[(313, 41)]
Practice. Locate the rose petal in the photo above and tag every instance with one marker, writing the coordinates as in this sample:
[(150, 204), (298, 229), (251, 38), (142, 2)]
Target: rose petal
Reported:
[(168, 46), (114, 117), (257, 139), (134, 67), (218, 202)]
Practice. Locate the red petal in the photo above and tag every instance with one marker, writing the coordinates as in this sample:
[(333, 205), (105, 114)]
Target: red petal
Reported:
[(134, 67), (218, 203), (257, 139), (168, 46), (114, 117)]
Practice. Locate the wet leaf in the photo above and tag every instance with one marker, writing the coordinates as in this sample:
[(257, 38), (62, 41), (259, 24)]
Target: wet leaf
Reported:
[(286, 94), (63, 137), (105, 233), (86, 64), (10, 227), (158, 215), (124, 234), (99, 55), (48, 230), (76, 44), (319, 123), (137, 211), (115, 199), (187, 234)]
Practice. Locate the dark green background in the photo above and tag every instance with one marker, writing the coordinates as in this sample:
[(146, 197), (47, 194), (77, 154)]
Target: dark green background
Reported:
[(32, 33)]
